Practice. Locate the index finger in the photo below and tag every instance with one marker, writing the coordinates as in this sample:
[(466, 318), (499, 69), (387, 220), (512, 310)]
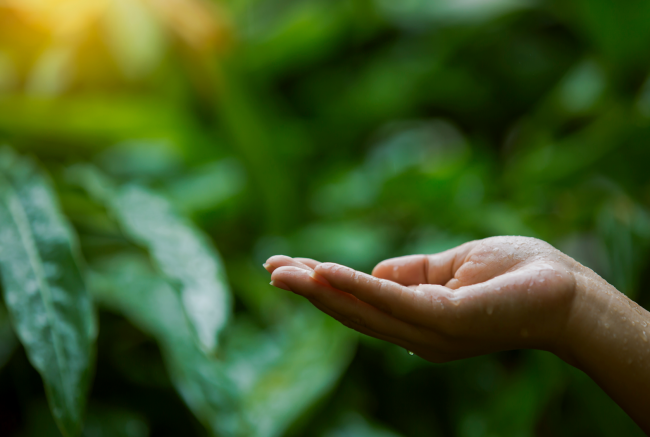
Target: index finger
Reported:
[(277, 261), (413, 305)]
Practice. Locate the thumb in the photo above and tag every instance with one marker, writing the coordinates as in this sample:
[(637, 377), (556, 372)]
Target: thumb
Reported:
[(438, 268)]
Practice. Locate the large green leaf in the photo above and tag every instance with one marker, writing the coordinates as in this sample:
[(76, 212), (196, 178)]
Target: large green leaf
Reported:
[(101, 421), (43, 288), (260, 384), (127, 284), (302, 360), (7, 337), (180, 251)]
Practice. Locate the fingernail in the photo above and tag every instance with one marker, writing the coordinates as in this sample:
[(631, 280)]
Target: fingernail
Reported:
[(281, 285), (318, 278), (266, 266)]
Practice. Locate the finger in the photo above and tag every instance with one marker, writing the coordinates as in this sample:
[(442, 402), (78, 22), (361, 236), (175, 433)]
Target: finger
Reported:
[(438, 268), (281, 261), (409, 304), (308, 262), (364, 329), (347, 305)]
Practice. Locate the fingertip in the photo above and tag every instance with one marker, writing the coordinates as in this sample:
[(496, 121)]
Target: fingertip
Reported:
[(280, 284), (319, 278), (308, 262), (286, 270), (383, 270), (277, 261), (325, 268), (405, 270)]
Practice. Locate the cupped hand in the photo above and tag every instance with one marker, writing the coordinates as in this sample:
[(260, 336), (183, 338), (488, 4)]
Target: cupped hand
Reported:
[(484, 296)]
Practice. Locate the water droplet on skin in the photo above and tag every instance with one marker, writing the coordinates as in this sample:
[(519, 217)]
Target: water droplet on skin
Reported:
[(607, 325), (644, 324), (489, 310), (644, 336), (409, 352), (624, 318)]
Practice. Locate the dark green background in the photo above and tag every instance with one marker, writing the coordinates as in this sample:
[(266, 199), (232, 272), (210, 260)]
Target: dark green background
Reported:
[(352, 131)]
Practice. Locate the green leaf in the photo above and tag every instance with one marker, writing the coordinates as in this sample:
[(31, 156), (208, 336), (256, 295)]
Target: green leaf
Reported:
[(353, 424), (127, 284), (101, 421), (43, 288), (301, 361), (7, 337), (208, 186), (260, 384), (179, 250), (183, 254), (92, 120)]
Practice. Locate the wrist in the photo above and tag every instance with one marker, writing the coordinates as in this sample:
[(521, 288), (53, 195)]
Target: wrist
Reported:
[(599, 323), (607, 336), (587, 317)]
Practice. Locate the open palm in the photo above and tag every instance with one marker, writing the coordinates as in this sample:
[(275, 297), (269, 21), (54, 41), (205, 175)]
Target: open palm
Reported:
[(484, 296)]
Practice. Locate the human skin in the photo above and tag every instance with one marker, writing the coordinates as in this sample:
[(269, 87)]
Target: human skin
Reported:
[(497, 294)]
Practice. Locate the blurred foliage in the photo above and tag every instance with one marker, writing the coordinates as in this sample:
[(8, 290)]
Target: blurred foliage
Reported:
[(343, 130)]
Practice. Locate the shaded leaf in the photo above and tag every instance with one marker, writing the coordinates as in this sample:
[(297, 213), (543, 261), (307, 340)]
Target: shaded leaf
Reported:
[(263, 381), (101, 421), (8, 340), (355, 425), (128, 285), (179, 250), (208, 186), (314, 351), (183, 254), (43, 288)]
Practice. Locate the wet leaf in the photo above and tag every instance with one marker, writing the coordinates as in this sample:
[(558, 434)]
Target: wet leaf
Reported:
[(309, 353), (260, 384), (179, 250), (101, 421), (8, 340), (128, 285), (183, 254), (43, 288)]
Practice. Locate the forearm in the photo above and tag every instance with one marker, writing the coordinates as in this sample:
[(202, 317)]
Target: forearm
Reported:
[(608, 337)]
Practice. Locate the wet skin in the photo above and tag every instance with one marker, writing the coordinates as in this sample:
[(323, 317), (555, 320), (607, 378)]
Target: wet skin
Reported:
[(501, 293)]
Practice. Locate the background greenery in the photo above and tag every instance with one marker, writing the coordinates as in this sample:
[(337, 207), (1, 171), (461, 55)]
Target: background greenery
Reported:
[(343, 130)]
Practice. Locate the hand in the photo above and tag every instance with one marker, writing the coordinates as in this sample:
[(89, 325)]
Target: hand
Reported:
[(485, 296), (490, 295)]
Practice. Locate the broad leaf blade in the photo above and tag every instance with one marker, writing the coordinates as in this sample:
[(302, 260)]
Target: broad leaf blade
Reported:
[(179, 249), (7, 337), (263, 381), (302, 361), (43, 288), (182, 253), (126, 284)]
